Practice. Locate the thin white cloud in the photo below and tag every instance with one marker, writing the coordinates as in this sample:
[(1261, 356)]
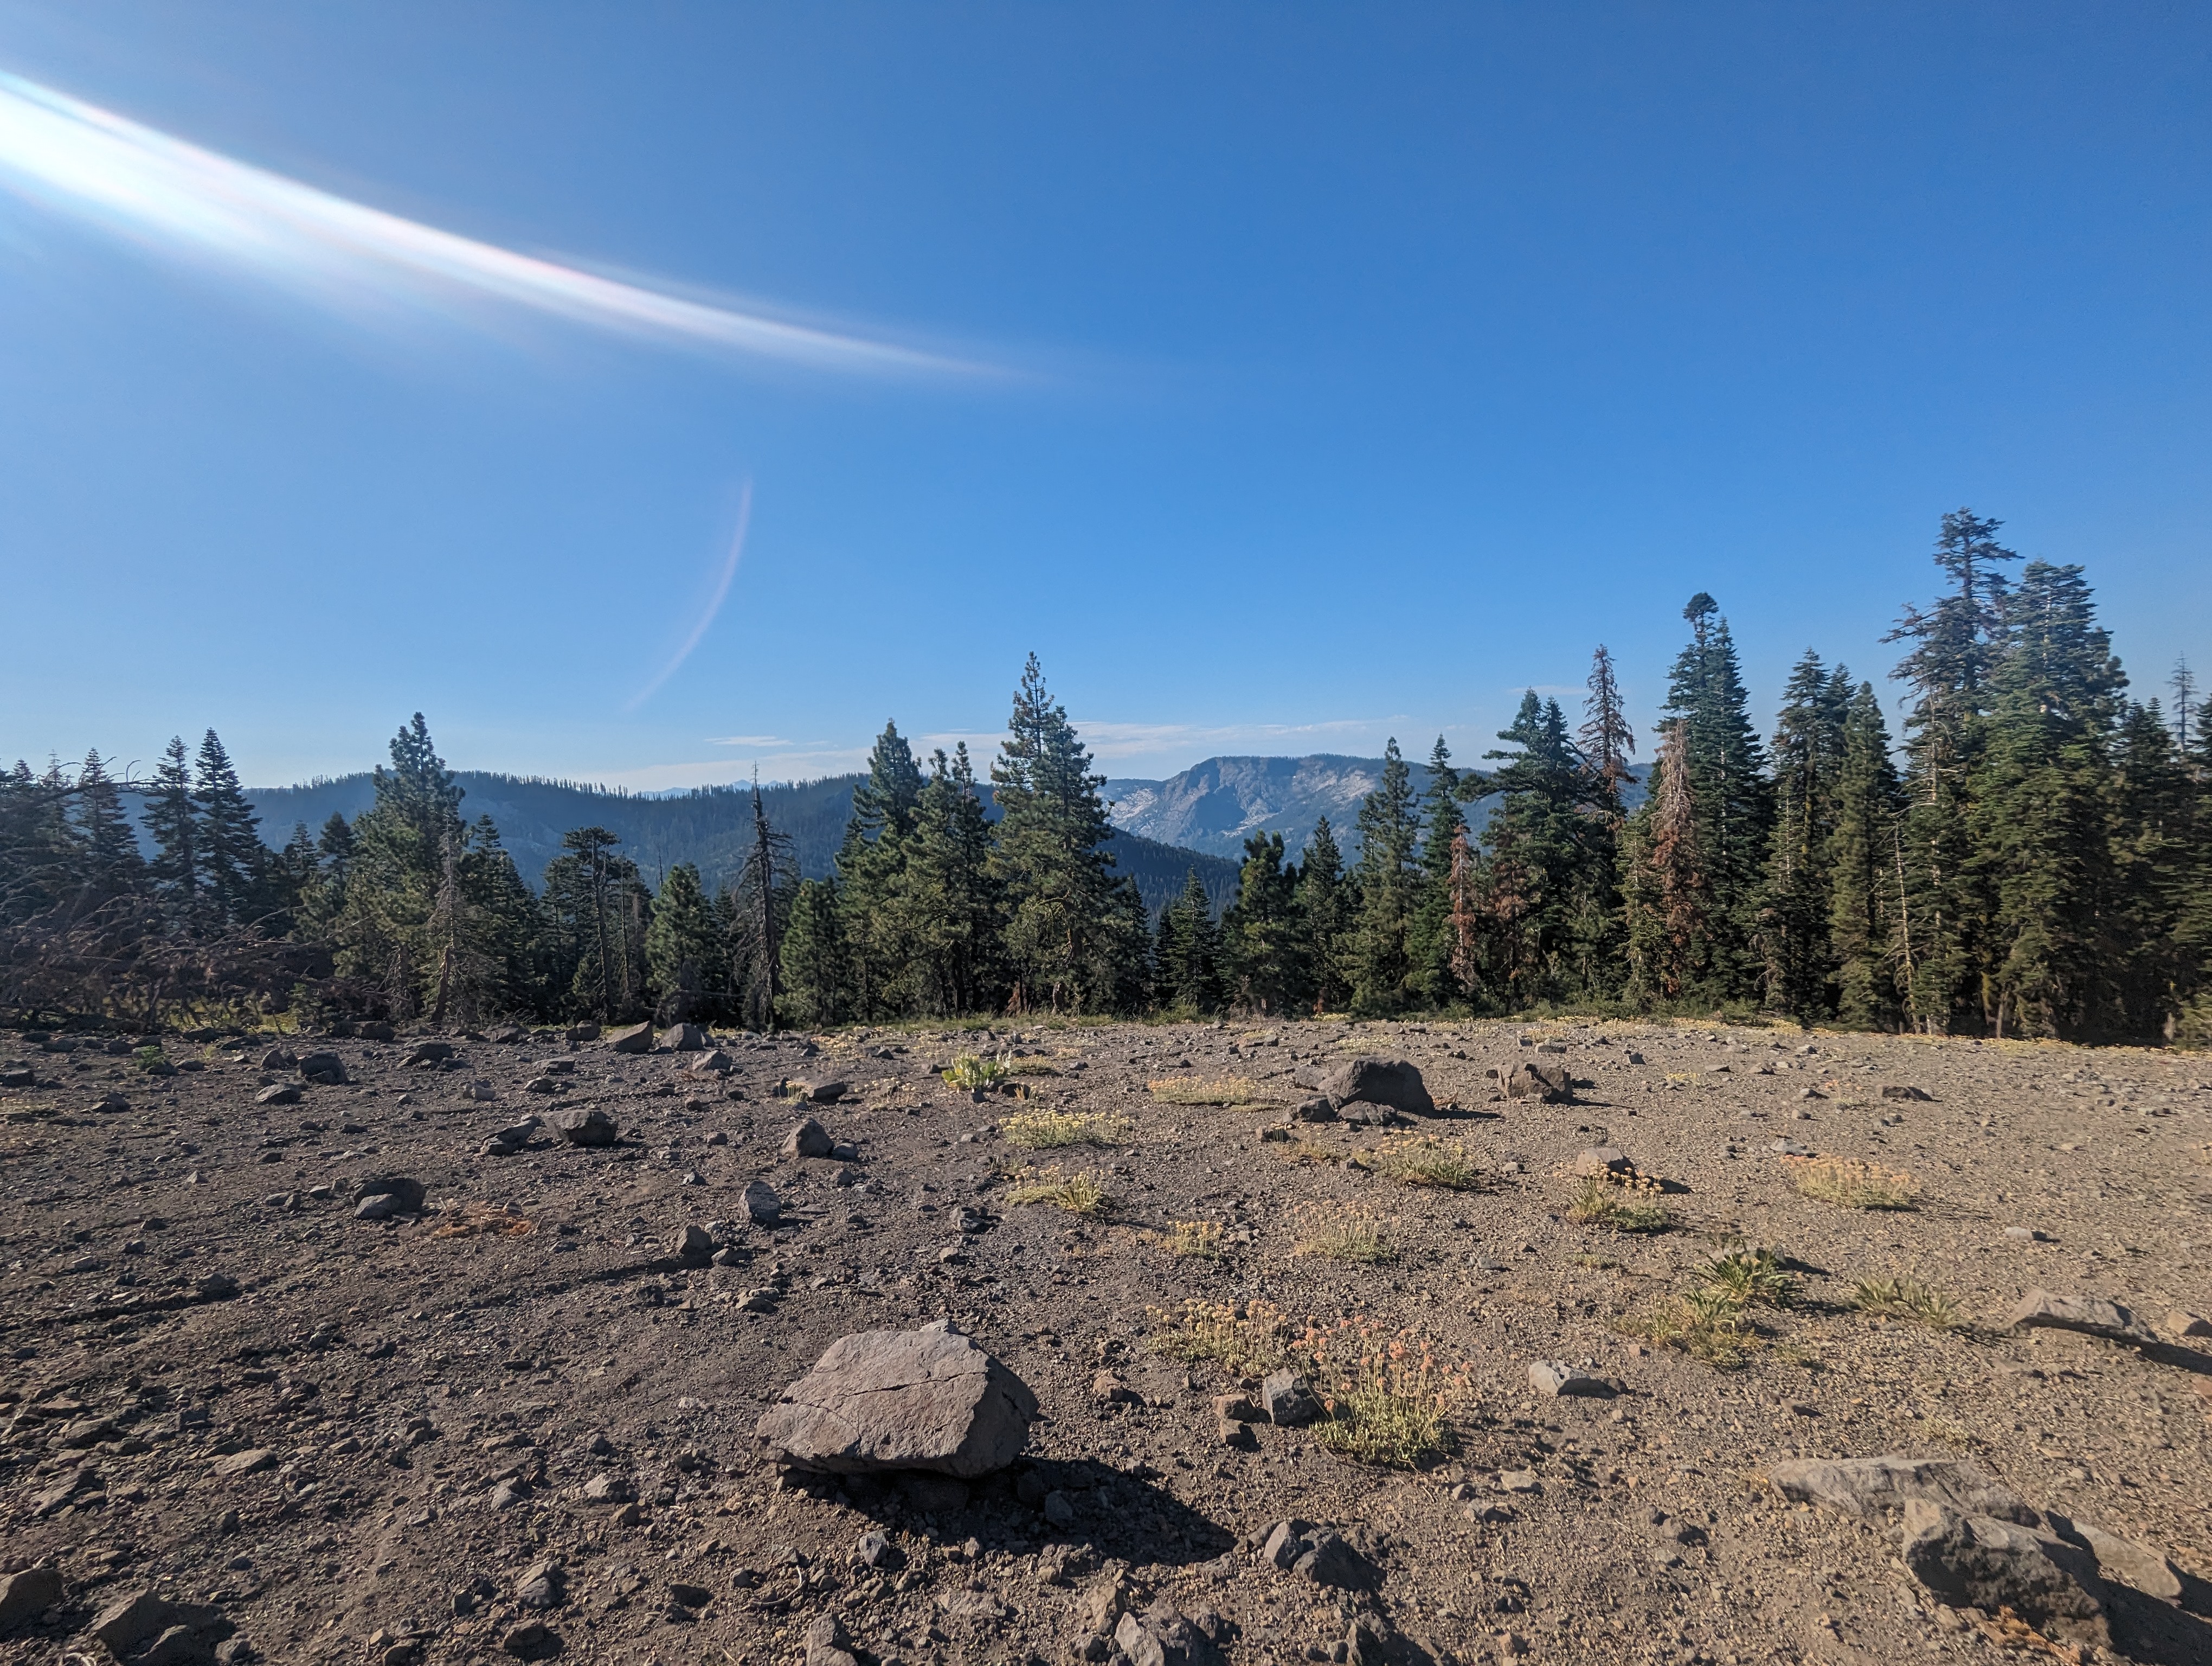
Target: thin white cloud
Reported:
[(714, 605), (97, 166), (749, 740)]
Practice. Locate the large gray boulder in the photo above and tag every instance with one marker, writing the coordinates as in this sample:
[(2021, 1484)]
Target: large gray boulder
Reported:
[(1392, 1084), (638, 1038), (684, 1038), (1540, 1079), (586, 1125), (885, 1400), (1981, 1562), (1877, 1488)]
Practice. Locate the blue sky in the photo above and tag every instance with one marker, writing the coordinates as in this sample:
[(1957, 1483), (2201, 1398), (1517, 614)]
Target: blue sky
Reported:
[(1285, 376)]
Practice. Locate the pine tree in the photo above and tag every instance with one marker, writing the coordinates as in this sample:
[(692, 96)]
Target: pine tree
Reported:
[(1074, 942), (681, 948), (1607, 739), (1705, 693), (1795, 907), (759, 910), (1328, 905), (816, 968), (1261, 940), (875, 956), (1947, 897), (2152, 837), (232, 855), (2039, 827), (1670, 908), (1188, 965), (110, 861), (945, 904), (173, 820), (1444, 826), (1539, 840), (1865, 922), (1390, 891)]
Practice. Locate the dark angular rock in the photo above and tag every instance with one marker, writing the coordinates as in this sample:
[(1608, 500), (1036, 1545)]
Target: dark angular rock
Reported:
[(881, 1399), (324, 1069), (586, 1125), (638, 1038), (1979, 1561), (1540, 1079), (1392, 1084), (809, 1138)]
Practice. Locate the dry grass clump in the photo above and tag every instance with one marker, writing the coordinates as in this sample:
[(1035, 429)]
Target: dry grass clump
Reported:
[(485, 1220), (1600, 1202), (1427, 1161), (1387, 1398), (1250, 1339), (1207, 1091), (1193, 1240), (972, 1070), (1042, 1130), (1908, 1298), (1356, 1237), (1711, 1321), (1079, 1193), (1853, 1185)]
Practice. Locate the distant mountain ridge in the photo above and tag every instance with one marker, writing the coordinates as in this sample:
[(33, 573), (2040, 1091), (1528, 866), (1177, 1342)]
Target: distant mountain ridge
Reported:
[(1214, 806), (709, 826)]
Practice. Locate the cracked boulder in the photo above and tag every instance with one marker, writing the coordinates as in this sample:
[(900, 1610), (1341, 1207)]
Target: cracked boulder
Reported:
[(889, 1399)]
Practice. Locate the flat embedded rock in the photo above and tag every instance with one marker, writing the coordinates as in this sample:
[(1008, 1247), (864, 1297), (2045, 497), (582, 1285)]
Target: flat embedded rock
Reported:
[(886, 1400), (1871, 1487), (2093, 1316), (1555, 1377), (1603, 1159), (2118, 1559)]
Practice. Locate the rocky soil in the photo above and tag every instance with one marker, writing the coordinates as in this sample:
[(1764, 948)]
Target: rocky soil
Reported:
[(264, 1398)]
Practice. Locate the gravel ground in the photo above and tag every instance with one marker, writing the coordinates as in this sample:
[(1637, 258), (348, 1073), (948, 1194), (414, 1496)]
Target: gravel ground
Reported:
[(360, 1439)]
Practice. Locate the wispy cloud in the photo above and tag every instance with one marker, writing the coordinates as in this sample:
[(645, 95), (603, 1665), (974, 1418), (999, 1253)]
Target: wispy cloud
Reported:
[(91, 163), (714, 605), (1109, 740)]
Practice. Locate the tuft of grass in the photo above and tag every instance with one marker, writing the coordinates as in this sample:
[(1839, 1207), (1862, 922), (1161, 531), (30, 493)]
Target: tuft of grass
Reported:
[(1031, 1066), (1249, 1339), (1387, 1398), (146, 1057), (1079, 1193), (1598, 1202), (1853, 1185), (1706, 1324), (1427, 1161), (1908, 1298), (1195, 1240), (1045, 1130), (1749, 1277), (1336, 1234), (1207, 1091), (974, 1070)]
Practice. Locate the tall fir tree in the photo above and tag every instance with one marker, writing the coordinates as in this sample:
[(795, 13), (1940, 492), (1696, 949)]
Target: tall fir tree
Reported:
[(232, 855), (111, 865), (1794, 909), (173, 821), (1072, 936), (1444, 826), (947, 906), (1263, 944), (1390, 879), (683, 948), (1729, 796), (2040, 812), (1669, 911), (1539, 839), (1327, 908), (875, 956), (1187, 964), (1864, 861), (1948, 896)]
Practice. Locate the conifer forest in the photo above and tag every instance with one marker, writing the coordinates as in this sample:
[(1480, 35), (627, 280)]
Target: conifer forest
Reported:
[(2027, 853)]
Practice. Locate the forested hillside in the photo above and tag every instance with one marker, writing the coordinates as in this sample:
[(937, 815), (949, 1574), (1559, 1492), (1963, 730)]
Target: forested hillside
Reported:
[(2031, 859)]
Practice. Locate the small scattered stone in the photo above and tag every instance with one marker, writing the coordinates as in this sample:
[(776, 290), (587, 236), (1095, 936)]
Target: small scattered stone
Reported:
[(1555, 1377)]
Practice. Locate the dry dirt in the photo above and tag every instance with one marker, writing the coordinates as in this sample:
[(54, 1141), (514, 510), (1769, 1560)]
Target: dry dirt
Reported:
[(362, 1454)]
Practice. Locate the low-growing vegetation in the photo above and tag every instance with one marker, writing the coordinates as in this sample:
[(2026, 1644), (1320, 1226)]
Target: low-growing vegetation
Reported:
[(1193, 1240), (1427, 1161), (1389, 1399), (1851, 1184), (1336, 1233), (1044, 1130), (1749, 1276), (1207, 1091), (1079, 1193), (1908, 1298), (972, 1070), (1248, 1339), (1598, 1202)]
